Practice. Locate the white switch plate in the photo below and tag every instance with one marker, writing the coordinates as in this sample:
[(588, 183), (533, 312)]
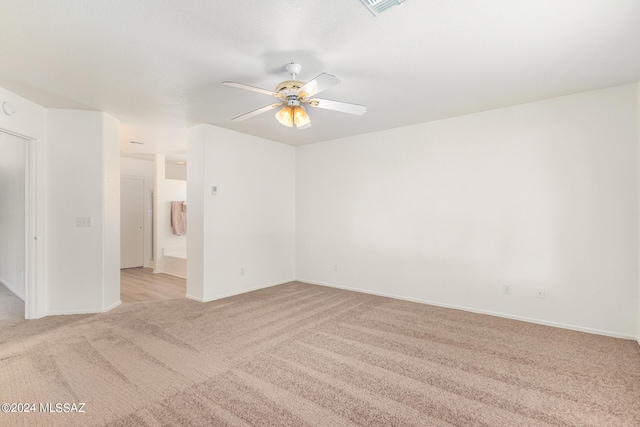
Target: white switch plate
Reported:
[(540, 292), (506, 289), (84, 221)]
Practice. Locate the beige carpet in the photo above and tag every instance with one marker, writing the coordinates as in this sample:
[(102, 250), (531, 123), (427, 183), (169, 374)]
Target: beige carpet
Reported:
[(303, 355)]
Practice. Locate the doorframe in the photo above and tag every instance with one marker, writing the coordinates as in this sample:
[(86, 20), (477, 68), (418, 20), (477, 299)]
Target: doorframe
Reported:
[(34, 227), (36, 284)]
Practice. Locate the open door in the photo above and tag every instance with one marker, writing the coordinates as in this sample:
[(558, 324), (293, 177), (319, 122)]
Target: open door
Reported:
[(13, 221)]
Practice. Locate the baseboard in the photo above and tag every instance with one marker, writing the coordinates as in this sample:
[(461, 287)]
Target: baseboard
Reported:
[(194, 298), (244, 291), (71, 312), (169, 272), (112, 306), (480, 311), (68, 312), (174, 274)]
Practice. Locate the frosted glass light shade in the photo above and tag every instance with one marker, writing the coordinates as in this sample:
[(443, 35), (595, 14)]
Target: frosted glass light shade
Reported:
[(300, 117), (296, 114), (285, 116)]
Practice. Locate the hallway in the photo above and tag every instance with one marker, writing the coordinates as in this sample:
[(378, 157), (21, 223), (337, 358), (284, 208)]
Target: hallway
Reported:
[(140, 284)]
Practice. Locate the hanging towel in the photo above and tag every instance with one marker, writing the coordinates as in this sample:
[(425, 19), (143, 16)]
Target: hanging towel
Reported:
[(179, 218)]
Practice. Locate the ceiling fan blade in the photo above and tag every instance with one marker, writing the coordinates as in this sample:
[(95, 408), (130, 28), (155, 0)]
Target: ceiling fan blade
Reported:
[(253, 113), (251, 88), (322, 82), (343, 107)]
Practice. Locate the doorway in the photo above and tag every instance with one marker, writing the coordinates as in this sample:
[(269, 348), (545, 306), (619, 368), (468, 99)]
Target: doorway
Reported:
[(13, 220), (32, 198), (147, 188)]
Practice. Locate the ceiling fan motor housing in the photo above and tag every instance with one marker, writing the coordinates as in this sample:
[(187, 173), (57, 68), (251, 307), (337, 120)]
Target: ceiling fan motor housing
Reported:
[(289, 87)]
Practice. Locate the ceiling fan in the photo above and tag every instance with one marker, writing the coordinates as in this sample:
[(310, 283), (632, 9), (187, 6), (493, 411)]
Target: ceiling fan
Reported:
[(294, 94)]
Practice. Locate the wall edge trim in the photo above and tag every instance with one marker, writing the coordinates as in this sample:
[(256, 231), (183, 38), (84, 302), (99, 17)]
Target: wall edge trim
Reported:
[(112, 306)]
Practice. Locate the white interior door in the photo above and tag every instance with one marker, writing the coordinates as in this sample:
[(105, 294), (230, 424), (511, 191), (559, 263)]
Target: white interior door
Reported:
[(131, 222)]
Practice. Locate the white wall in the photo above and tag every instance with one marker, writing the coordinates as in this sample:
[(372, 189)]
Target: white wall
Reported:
[(82, 176), (142, 169), (111, 209), (12, 212), (537, 195), (250, 224), (638, 122), (28, 119), (175, 171), (196, 195)]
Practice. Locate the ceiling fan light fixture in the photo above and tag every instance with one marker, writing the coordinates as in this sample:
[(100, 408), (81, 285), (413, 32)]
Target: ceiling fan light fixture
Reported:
[(378, 6), (293, 93), (285, 116), (301, 118)]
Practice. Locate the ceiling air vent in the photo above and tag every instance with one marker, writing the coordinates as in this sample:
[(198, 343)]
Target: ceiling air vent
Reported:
[(378, 6)]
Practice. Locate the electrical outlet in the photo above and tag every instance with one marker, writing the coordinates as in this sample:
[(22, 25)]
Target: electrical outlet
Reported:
[(242, 271), (84, 221), (506, 289), (540, 292), (335, 267)]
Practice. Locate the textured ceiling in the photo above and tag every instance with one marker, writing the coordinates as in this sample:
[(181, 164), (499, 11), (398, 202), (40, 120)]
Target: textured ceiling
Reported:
[(157, 65)]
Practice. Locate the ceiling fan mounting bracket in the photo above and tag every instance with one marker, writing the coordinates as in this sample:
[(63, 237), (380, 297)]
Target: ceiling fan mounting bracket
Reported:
[(293, 69)]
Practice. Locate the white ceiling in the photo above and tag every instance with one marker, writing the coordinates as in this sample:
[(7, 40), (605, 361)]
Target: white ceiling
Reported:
[(157, 65)]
